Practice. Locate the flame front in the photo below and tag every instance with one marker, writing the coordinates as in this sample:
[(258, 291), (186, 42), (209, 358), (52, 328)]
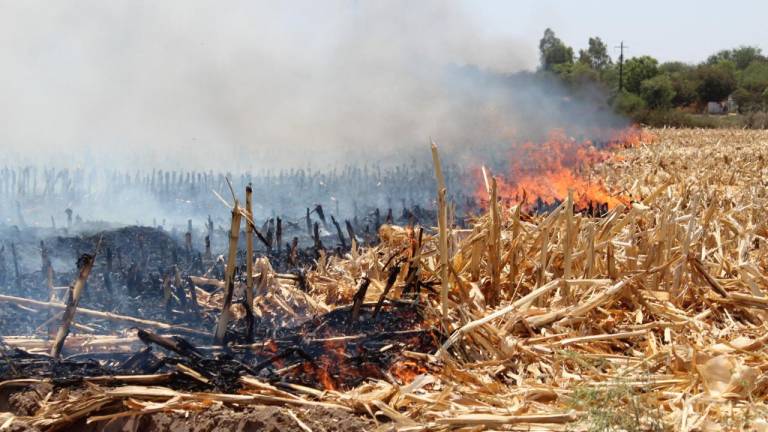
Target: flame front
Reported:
[(407, 370), (546, 171)]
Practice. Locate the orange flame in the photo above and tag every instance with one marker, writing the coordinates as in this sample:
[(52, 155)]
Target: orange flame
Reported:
[(326, 380), (548, 170), (406, 370)]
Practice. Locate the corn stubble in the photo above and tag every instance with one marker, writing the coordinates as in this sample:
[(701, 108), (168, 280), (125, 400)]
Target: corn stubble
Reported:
[(559, 321)]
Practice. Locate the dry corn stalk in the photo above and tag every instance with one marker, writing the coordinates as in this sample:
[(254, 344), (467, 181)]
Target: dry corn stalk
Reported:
[(442, 221), (229, 280)]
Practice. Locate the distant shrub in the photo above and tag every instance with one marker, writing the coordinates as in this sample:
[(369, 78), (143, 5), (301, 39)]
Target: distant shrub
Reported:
[(676, 119), (757, 120), (639, 69), (658, 91), (716, 82), (628, 104)]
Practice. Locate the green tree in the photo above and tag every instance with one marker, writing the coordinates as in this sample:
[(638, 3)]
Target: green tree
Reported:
[(637, 70), (553, 51), (609, 77), (658, 92), (716, 82), (628, 104), (596, 55), (686, 89), (720, 56), (675, 67), (742, 56), (746, 100), (755, 77), (577, 74), (684, 81)]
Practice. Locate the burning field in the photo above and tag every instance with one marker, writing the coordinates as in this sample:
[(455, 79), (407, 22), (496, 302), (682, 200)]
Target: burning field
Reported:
[(613, 284)]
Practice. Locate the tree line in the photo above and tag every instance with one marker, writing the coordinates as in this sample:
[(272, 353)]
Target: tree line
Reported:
[(663, 93)]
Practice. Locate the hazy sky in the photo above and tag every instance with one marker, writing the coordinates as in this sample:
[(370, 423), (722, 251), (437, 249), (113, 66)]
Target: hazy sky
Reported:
[(233, 83), (688, 30)]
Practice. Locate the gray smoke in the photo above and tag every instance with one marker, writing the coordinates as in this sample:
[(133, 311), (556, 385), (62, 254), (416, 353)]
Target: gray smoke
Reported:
[(91, 87), (254, 84)]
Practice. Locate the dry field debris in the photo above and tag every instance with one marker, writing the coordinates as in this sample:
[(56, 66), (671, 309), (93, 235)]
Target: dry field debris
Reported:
[(653, 317)]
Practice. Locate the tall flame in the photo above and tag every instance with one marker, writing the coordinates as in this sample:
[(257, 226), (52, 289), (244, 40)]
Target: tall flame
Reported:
[(546, 171)]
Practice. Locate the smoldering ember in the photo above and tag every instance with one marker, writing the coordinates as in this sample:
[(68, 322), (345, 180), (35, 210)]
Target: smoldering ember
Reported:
[(378, 224)]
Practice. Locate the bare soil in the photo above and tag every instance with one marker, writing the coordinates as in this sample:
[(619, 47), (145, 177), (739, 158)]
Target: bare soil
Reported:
[(216, 419)]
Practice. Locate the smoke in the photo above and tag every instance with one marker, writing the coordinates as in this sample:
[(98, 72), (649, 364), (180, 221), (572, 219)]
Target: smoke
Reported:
[(255, 84)]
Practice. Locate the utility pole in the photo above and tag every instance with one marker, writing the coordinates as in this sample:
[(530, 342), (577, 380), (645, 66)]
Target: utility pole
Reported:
[(621, 66)]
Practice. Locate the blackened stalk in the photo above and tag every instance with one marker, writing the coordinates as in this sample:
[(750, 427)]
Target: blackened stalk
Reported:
[(188, 246), (107, 271), (279, 234), (350, 232), (357, 301), (179, 288), (167, 297), (249, 260), (16, 268), (193, 296), (43, 258), (176, 344), (321, 215), (293, 255), (339, 233), (85, 265), (47, 268), (207, 256), (261, 236), (393, 272), (318, 243), (270, 234)]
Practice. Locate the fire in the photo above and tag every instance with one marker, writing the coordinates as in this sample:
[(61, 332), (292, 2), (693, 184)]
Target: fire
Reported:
[(406, 370), (326, 380), (270, 346), (546, 171)]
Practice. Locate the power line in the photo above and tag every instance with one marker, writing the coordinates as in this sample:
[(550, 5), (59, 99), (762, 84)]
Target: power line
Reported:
[(621, 66)]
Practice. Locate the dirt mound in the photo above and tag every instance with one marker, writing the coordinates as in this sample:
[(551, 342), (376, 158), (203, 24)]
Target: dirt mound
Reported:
[(262, 418), (221, 419), (131, 243)]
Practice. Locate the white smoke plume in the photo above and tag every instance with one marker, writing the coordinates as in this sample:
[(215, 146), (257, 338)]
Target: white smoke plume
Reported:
[(241, 84)]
